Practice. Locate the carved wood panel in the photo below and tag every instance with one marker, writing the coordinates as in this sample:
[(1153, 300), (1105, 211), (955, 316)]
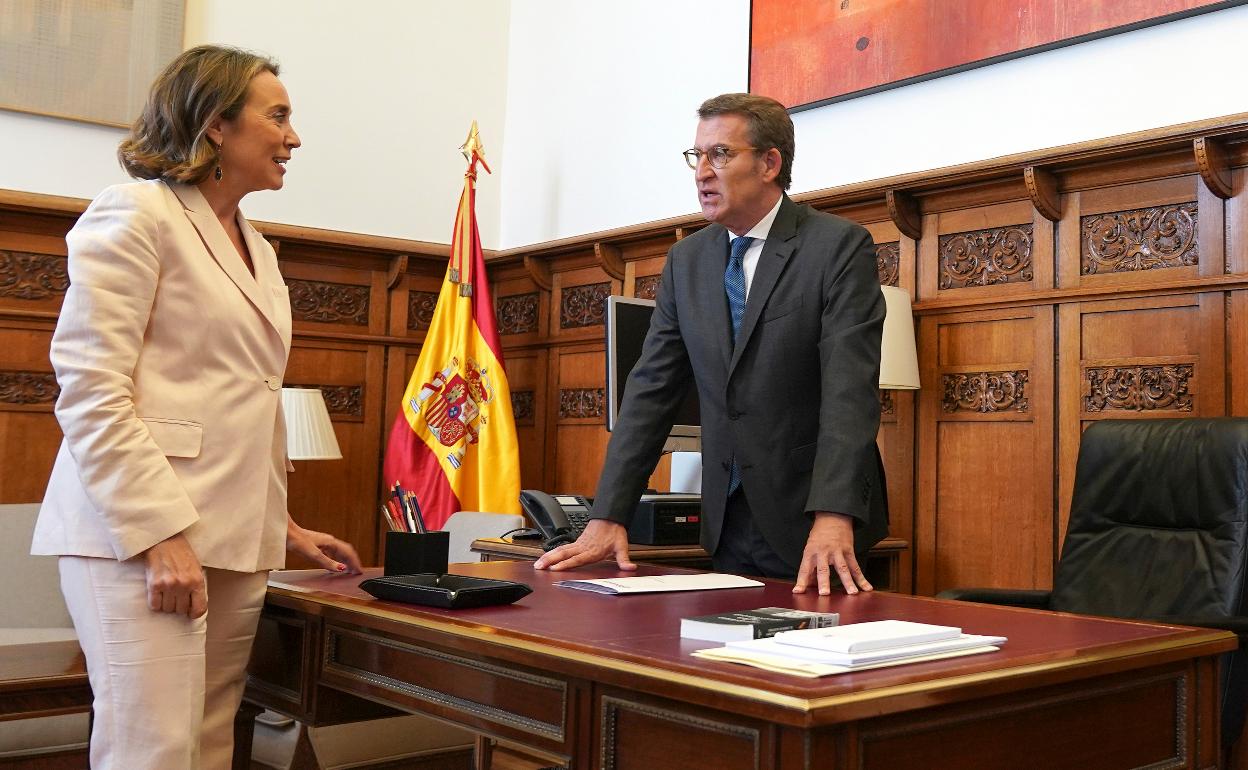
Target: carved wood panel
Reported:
[(1151, 238), (1138, 388), (986, 257), (517, 313), (326, 302), (648, 286), (342, 401), (27, 276), (888, 262), (420, 307), (581, 403), (28, 388), (985, 392), (584, 305)]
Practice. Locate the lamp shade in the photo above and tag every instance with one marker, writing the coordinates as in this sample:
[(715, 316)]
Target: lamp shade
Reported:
[(309, 433), (899, 360)]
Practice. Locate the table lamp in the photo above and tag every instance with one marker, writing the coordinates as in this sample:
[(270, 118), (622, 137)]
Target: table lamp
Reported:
[(899, 360), (309, 433)]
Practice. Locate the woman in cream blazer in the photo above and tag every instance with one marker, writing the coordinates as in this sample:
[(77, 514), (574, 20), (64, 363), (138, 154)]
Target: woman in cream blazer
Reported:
[(167, 500)]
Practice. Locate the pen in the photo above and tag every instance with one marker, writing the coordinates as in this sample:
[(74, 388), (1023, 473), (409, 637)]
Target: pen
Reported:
[(390, 523), (415, 508), (404, 506), (396, 515)]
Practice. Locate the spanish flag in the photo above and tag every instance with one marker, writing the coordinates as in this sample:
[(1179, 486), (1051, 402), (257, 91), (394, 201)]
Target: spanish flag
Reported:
[(454, 440)]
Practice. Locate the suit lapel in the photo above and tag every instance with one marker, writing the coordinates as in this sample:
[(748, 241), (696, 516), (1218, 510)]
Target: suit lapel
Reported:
[(223, 252), (713, 262), (776, 252)]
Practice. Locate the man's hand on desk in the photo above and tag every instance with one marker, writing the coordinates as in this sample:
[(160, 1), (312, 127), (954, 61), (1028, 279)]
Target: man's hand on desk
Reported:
[(600, 540), (830, 547)]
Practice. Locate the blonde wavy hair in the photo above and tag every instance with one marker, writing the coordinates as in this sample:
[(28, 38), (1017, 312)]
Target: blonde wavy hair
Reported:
[(168, 139)]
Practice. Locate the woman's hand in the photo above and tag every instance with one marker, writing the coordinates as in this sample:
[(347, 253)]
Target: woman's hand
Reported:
[(175, 579), (326, 550)]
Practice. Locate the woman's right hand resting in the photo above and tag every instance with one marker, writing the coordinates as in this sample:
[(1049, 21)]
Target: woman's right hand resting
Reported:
[(175, 579)]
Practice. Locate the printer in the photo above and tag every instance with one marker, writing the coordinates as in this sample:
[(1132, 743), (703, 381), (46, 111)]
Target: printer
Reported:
[(667, 519)]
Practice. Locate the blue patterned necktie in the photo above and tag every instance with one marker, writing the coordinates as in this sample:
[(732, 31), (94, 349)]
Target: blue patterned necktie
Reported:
[(734, 287)]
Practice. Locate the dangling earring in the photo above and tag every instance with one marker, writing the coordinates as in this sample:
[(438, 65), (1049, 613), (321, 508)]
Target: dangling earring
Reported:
[(216, 172)]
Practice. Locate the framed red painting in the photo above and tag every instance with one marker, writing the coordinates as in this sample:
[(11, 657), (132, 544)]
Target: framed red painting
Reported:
[(806, 53)]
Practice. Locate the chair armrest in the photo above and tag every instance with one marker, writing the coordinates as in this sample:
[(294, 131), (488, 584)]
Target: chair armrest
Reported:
[(1011, 597)]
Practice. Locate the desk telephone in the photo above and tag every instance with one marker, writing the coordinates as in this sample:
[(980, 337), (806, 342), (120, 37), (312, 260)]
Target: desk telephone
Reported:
[(561, 518)]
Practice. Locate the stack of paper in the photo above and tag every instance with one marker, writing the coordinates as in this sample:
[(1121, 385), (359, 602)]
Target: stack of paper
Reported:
[(855, 647)]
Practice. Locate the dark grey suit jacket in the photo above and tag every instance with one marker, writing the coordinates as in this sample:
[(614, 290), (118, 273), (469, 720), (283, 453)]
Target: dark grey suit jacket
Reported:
[(795, 401)]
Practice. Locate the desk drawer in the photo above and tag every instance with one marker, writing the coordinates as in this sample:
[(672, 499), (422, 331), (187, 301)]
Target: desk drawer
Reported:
[(499, 698)]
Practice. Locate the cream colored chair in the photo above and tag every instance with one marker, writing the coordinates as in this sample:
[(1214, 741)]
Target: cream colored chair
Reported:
[(32, 611)]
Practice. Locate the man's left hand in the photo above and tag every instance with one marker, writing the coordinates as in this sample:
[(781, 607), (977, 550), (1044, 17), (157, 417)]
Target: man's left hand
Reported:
[(829, 548)]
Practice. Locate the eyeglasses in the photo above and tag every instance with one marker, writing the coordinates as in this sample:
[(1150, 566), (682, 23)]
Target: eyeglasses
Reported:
[(718, 156)]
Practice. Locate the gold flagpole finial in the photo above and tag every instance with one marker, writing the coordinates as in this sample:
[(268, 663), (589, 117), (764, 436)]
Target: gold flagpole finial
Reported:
[(474, 150)]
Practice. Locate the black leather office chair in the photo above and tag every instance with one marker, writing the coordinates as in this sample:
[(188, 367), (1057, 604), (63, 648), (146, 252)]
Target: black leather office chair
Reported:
[(1158, 531)]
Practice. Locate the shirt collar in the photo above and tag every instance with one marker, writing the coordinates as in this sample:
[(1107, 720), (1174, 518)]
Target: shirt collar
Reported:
[(763, 228)]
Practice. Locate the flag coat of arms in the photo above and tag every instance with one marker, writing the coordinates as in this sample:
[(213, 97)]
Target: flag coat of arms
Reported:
[(453, 442)]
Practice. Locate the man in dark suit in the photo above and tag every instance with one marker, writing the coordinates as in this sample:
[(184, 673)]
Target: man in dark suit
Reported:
[(776, 313)]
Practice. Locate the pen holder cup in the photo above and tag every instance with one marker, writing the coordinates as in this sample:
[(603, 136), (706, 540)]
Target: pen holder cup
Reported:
[(413, 553)]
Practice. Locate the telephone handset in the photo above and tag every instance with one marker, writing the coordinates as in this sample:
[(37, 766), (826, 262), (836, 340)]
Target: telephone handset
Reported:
[(561, 518)]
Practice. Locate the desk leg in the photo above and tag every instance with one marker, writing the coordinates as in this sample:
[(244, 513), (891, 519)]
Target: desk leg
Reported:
[(483, 751), (244, 731)]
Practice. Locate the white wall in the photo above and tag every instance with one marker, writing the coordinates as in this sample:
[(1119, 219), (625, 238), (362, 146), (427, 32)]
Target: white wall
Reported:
[(656, 60), (383, 94), (584, 108)]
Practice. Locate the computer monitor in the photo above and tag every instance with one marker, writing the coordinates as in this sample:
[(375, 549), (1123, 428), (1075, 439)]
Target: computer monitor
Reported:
[(628, 321)]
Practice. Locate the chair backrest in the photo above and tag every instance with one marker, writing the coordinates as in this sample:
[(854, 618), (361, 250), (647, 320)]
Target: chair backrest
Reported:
[(466, 526), (1158, 521), (33, 597)]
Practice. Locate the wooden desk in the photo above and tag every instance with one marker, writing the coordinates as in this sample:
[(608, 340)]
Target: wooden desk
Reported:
[(594, 681), (882, 568)]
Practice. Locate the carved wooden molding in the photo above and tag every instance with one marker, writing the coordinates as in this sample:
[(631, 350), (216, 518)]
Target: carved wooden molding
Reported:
[(584, 305), (1215, 168), (681, 232), (887, 405), (517, 313), (647, 286), (904, 211), (986, 257), (581, 402), (398, 266), (522, 406), (888, 262), (28, 276), (1042, 188), (610, 259), (539, 271), (1138, 388), (1140, 239), (340, 400), (18, 387), (326, 302), (985, 392), (420, 307)]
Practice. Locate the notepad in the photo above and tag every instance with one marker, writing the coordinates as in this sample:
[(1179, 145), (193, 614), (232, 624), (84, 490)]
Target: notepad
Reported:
[(705, 581), (798, 667), (865, 637), (773, 646)]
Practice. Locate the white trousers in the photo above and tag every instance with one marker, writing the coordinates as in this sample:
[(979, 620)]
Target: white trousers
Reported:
[(165, 687)]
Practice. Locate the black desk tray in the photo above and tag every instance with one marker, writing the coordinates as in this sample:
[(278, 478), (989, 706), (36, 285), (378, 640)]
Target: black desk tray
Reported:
[(450, 591)]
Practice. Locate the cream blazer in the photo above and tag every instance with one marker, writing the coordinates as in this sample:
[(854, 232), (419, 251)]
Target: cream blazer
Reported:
[(170, 358)]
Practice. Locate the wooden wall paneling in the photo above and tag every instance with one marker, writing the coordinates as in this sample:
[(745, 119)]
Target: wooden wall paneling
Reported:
[(985, 510), (325, 298), (1140, 234), (526, 374), (341, 496), (1237, 301), (33, 273), (29, 432), (576, 434), (1162, 356)]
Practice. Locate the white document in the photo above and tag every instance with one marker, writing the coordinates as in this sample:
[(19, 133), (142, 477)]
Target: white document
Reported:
[(773, 646), (865, 637), (644, 585), (786, 665)]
